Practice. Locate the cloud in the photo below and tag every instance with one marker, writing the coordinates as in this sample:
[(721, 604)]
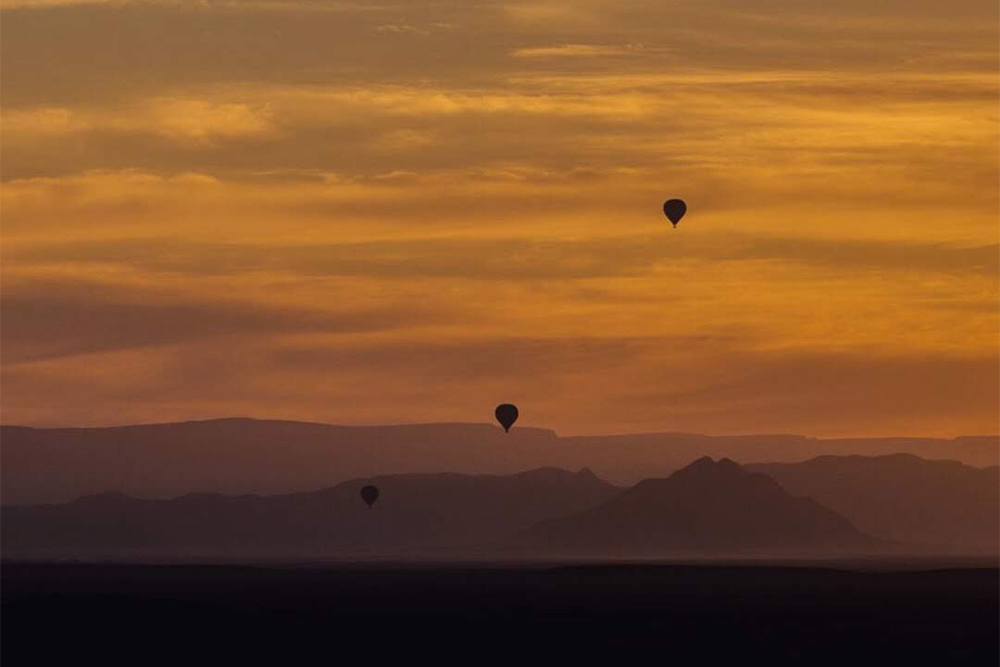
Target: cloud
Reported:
[(198, 119), (52, 318), (401, 29), (185, 119), (47, 4), (725, 138), (389, 203), (706, 384), (561, 15), (325, 6), (573, 51), (349, 378), (513, 258), (803, 391), (403, 139)]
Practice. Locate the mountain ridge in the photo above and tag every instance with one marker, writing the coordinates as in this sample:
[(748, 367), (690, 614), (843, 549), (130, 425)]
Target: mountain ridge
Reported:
[(422, 512), (637, 434), (707, 508), (943, 504), (242, 455)]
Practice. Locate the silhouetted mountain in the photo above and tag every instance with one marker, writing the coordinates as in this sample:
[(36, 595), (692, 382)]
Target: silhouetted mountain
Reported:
[(708, 508), (237, 456), (413, 513), (946, 505)]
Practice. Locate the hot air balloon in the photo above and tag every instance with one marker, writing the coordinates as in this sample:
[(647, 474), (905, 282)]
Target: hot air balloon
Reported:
[(506, 415), (674, 209), (369, 494)]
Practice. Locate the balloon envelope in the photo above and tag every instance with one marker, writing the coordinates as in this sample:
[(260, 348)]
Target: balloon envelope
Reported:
[(506, 414), (674, 209), (369, 494)]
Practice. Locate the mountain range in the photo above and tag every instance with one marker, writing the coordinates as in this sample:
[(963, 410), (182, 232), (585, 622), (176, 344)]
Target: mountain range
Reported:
[(946, 505), (708, 508), (415, 513), (242, 456)]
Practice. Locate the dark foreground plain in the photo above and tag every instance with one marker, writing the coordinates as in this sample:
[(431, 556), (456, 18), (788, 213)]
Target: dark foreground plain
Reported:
[(756, 614)]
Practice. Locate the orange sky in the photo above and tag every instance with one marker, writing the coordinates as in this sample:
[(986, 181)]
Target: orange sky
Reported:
[(365, 213)]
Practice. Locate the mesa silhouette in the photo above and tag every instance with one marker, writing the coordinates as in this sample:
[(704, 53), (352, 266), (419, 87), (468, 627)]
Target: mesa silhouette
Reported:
[(238, 456)]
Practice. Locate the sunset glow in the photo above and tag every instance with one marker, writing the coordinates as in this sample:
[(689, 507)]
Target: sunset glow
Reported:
[(356, 213)]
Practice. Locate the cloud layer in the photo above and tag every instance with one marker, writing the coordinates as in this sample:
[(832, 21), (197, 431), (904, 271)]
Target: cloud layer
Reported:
[(379, 212)]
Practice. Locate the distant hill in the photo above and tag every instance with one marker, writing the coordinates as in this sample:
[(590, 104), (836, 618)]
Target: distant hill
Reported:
[(238, 456), (707, 508), (414, 513), (946, 505)]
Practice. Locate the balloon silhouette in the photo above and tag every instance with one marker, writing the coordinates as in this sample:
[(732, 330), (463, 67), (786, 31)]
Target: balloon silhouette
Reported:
[(369, 494), (674, 209), (506, 415)]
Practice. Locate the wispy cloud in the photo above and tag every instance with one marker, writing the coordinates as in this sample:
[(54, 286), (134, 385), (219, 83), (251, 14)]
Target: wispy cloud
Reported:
[(574, 51), (511, 258), (184, 119), (54, 318), (401, 29)]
